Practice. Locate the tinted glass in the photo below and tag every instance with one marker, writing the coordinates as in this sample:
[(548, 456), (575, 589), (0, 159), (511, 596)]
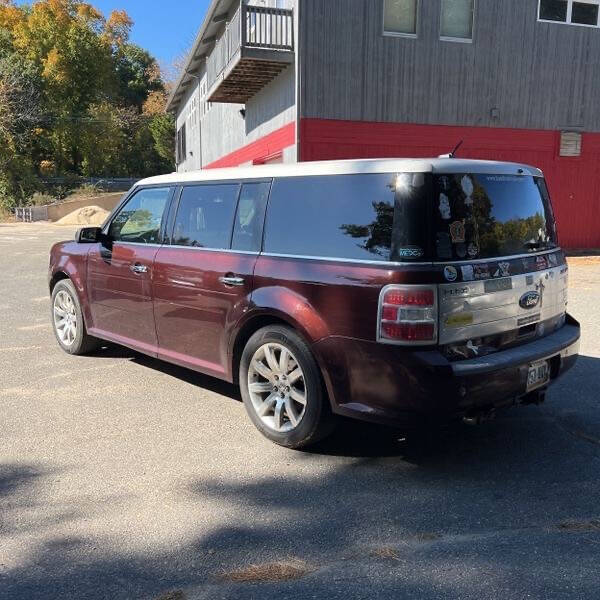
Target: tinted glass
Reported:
[(250, 217), (139, 220), (205, 216), (361, 217), (553, 10), (457, 19), (584, 14), (488, 216), (400, 16)]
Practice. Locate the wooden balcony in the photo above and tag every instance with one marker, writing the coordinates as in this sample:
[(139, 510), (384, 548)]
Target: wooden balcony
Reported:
[(257, 45)]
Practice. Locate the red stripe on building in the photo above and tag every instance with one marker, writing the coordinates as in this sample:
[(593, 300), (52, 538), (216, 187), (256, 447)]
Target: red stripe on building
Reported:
[(574, 182), (260, 150)]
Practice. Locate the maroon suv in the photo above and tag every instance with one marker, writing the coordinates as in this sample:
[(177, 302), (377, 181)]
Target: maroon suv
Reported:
[(387, 290)]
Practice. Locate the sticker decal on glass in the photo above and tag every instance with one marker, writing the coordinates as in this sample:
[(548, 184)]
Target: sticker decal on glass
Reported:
[(410, 252), (482, 271), (457, 232), (468, 188), (445, 207), (451, 274), (461, 250), (444, 245), (473, 250), (468, 273)]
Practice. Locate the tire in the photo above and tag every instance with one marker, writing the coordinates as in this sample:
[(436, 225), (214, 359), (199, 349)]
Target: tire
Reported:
[(273, 393), (73, 340)]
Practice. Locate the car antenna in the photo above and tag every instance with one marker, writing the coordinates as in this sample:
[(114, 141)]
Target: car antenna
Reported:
[(453, 153)]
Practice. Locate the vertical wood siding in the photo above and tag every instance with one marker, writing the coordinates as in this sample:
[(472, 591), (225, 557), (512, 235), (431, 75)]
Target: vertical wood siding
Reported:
[(538, 75)]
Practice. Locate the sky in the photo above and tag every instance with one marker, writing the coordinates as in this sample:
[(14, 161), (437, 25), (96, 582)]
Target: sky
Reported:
[(166, 29)]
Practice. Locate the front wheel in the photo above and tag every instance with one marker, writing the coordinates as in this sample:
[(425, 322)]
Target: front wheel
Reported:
[(282, 388), (67, 320)]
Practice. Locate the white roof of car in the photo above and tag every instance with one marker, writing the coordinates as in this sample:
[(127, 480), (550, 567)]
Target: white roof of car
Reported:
[(347, 167)]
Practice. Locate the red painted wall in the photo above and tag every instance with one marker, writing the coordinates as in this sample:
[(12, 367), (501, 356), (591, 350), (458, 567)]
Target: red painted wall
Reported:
[(261, 149), (574, 182)]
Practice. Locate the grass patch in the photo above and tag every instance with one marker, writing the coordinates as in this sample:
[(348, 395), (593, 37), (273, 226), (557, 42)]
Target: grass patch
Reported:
[(269, 572)]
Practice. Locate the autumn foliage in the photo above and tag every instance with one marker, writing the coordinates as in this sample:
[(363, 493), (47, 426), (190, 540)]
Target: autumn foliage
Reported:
[(76, 94)]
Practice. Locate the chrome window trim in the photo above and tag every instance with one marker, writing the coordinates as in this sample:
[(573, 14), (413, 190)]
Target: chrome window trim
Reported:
[(496, 259), (344, 260), (408, 264), (138, 244), (227, 250)]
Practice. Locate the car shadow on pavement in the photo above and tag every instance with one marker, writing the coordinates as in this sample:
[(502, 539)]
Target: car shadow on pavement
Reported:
[(206, 382), (505, 510)]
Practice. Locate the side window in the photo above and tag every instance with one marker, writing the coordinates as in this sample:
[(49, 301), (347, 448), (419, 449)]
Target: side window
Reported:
[(457, 20), (205, 216), (139, 220), (400, 17), (337, 216), (250, 217)]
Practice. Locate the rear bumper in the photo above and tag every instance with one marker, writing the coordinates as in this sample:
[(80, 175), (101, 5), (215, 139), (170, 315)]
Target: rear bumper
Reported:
[(394, 386)]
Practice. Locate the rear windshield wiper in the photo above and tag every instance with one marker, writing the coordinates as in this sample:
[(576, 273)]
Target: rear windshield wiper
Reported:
[(537, 245)]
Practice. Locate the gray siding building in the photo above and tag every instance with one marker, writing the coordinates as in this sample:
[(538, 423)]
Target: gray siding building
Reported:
[(296, 80)]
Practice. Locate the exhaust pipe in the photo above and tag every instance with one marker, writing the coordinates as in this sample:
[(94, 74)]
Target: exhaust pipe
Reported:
[(480, 417)]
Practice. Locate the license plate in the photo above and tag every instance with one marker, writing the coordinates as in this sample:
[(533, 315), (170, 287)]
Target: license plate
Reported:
[(538, 376)]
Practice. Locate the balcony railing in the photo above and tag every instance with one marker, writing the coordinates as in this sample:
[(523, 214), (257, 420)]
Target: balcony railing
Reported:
[(256, 46)]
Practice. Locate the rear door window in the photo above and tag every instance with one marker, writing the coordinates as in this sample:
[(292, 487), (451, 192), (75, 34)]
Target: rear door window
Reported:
[(205, 216), (250, 217), (375, 217)]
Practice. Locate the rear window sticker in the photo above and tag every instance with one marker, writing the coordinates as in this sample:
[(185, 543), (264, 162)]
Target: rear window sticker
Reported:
[(482, 271), (457, 232), (451, 274), (444, 245), (468, 188), (468, 273), (461, 250), (445, 207), (410, 252), (541, 262), (473, 250), (503, 270), (553, 259)]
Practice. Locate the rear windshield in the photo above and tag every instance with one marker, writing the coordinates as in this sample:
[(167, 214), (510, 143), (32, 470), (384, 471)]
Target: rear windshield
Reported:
[(403, 217), (489, 216)]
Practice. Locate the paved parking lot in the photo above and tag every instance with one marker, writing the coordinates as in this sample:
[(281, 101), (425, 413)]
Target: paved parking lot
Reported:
[(124, 478)]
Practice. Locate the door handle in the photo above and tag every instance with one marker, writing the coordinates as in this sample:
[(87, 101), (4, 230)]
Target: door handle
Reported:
[(232, 281), (138, 268)]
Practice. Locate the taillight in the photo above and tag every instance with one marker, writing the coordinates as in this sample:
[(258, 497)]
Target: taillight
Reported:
[(408, 315)]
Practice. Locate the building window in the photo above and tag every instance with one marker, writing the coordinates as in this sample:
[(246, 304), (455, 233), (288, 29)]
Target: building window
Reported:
[(400, 17), (457, 20), (571, 12), (181, 146)]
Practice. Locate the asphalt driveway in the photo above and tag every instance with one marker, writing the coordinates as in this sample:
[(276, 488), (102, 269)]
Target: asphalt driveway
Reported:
[(124, 478)]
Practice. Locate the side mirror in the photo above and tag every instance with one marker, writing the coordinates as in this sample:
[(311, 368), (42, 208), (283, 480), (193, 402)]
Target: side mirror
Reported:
[(88, 235)]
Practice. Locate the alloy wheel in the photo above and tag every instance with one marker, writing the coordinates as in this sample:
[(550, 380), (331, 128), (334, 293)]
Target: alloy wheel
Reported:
[(277, 387)]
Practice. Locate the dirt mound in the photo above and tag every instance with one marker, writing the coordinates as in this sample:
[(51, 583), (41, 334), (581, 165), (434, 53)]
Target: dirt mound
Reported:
[(88, 215)]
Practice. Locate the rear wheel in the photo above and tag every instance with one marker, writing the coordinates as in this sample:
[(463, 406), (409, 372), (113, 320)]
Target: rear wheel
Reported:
[(282, 388), (67, 320)]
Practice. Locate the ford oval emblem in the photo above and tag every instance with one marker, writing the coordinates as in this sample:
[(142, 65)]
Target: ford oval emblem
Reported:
[(529, 300)]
